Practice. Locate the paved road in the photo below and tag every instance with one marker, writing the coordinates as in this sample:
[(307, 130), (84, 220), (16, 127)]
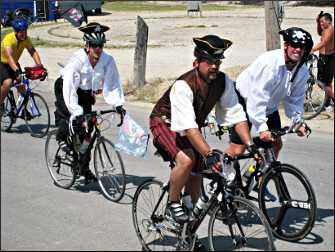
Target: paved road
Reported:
[(36, 215)]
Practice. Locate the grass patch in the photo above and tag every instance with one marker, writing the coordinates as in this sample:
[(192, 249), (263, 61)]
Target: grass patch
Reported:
[(137, 6), (154, 89)]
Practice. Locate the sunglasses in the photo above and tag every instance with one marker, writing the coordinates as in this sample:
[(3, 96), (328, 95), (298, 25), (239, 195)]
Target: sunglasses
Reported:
[(297, 45), (211, 62), (96, 45)]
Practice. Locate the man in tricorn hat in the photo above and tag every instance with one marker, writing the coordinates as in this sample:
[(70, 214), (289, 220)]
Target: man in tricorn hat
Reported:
[(180, 113), (89, 72)]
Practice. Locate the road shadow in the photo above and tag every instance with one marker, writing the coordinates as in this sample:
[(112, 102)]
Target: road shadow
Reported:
[(132, 182), (295, 219)]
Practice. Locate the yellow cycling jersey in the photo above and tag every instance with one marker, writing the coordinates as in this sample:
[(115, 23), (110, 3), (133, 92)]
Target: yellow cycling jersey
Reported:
[(17, 46)]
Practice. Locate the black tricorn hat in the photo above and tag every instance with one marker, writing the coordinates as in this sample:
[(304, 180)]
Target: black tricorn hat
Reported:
[(93, 27), (210, 46)]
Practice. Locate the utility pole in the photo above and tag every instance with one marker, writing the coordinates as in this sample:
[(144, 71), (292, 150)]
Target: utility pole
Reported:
[(272, 24)]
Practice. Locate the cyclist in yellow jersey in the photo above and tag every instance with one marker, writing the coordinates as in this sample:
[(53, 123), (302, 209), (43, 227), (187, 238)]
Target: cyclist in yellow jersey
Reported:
[(12, 47)]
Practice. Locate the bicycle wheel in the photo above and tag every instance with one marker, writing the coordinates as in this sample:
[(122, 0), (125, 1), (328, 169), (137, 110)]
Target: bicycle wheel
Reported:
[(292, 214), (152, 229), (256, 233), (315, 99), (7, 115), (109, 170), (37, 116), (59, 163)]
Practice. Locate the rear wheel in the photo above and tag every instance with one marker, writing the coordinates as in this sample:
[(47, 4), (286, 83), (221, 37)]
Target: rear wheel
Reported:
[(292, 214), (59, 163), (7, 117), (254, 233), (37, 116), (109, 170), (315, 99)]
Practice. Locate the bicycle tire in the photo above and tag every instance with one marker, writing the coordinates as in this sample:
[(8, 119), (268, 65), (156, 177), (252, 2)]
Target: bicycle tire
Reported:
[(287, 224), (110, 170), (7, 119), (38, 118), (151, 230), (315, 99), (220, 228), (58, 162)]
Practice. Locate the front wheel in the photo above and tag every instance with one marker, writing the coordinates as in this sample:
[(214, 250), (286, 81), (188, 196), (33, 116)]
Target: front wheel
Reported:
[(109, 170), (293, 211), (59, 163), (37, 116), (153, 230), (242, 226), (315, 99)]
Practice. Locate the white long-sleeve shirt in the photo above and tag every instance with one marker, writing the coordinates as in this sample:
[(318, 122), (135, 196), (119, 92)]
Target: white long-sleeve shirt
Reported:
[(79, 73), (227, 110), (266, 82)]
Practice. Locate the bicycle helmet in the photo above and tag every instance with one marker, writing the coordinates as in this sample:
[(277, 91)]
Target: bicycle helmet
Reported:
[(94, 33), (210, 47), (20, 25), (298, 37)]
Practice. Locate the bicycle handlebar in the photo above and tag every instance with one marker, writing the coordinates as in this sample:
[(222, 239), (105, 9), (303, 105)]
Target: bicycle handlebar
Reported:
[(101, 112)]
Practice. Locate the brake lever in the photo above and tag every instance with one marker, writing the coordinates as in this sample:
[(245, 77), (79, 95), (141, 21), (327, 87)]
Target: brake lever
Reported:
[(121, 120)]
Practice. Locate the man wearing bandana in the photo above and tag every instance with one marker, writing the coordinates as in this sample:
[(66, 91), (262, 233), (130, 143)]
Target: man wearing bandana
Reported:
[(90, 72), (178, 116), (275, 76)]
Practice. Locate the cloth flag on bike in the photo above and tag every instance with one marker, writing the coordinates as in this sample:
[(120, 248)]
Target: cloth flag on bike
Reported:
[(75, 15), (132, 138)]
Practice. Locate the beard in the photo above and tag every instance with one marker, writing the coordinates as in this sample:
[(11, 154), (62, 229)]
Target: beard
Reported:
[(212, 74)]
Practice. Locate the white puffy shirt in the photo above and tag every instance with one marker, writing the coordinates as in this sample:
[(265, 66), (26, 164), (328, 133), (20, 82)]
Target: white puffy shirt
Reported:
[(79, 73), (227, 110), (266, 82)]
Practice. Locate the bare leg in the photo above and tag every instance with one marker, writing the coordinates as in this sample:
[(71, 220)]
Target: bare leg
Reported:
[(5, 88), (193, 187), (180, 173)]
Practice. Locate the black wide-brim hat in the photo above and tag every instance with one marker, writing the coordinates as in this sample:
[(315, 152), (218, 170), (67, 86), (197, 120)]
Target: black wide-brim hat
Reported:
[(212, 45), (94, 27)]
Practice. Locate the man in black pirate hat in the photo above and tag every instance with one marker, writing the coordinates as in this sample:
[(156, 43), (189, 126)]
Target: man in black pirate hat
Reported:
[(90, 72), (178, 116)]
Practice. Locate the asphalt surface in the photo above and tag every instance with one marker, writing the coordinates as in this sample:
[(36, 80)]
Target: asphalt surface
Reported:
[(37, 215)]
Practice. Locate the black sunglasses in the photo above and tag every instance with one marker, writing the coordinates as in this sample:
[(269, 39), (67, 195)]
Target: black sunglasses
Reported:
[(96, 45), (297, 45), (212, 61)]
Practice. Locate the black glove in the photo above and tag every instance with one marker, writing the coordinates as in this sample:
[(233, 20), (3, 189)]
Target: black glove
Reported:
[(252, 148), (80, 119), (211, 159), (17, 73), (120, 110)]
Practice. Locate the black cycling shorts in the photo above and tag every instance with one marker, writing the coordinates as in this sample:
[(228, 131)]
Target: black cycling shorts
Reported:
[(326, 68), (6, 72), (273, 122)]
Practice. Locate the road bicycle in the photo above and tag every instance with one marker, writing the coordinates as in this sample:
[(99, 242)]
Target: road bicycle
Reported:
[(29, 106), (64, 166), (235, 222), (315, 92), (291, 211)]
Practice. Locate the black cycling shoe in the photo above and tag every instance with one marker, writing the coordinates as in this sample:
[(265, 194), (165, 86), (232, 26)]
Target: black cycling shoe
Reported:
[(198, 246), (89, 177), (176, 211)]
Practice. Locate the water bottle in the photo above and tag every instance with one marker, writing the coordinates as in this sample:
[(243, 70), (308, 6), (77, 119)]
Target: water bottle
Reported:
[(247, 175), (187, 202), (199, 206), (84, 145), (228, 171)]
